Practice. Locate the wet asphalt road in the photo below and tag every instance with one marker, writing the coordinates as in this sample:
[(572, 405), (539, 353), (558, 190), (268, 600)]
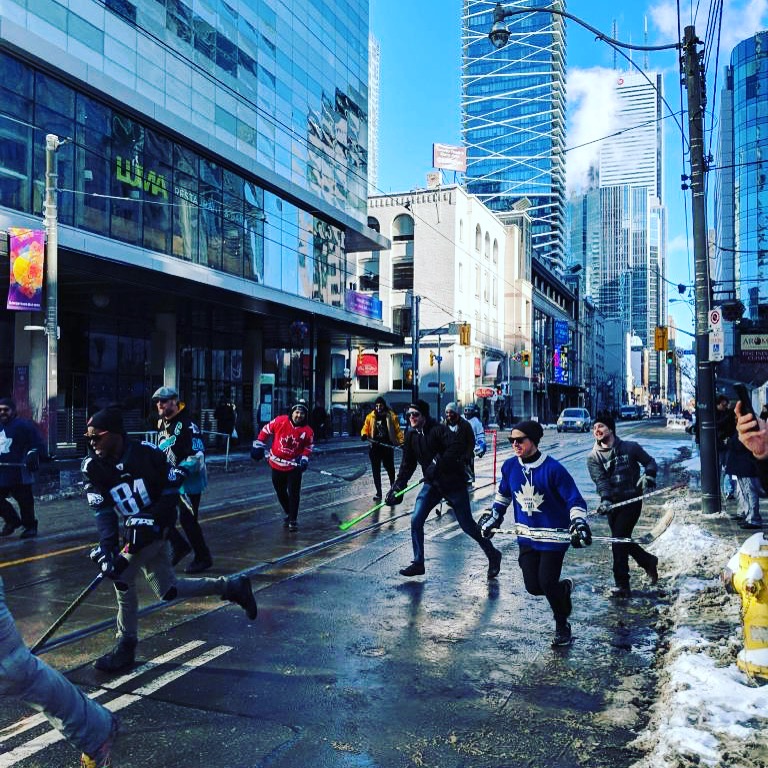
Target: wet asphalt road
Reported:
[(348, 664)]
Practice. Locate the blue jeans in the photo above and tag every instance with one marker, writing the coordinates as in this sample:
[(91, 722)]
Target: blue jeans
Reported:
[(428, 498), (25, 677)]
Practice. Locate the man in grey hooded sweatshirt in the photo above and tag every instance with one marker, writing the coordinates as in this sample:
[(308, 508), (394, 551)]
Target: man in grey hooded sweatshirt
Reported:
[(614, 466)]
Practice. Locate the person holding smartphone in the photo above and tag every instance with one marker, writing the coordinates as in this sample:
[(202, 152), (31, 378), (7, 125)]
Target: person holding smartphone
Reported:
[(753, 435)]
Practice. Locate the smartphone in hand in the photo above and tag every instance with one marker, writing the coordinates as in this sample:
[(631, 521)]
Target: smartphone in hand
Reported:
[(746, 403)]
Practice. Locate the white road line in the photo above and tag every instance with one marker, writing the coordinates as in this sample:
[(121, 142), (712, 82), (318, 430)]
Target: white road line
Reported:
[(121, 702), (34, 720)]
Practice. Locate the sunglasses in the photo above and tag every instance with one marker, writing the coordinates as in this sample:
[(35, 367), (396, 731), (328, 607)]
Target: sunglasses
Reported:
[(5, 410), (412, 414), (95, 437), (517, 440)]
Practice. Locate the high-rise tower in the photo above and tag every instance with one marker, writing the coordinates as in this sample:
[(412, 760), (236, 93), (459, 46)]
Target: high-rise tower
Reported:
[(513, 118)]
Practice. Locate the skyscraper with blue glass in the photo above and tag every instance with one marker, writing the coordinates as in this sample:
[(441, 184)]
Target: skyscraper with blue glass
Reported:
[(513, 118)]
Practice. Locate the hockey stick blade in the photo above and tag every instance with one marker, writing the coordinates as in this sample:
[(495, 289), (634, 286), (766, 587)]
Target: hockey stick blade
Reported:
[(347, 524), (346, 478)]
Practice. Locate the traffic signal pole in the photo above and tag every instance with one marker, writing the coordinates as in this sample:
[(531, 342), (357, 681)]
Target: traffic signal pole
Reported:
[(693, 71)]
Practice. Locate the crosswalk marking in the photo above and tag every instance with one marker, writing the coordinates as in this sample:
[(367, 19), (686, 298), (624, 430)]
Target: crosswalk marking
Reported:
[(39, 743)]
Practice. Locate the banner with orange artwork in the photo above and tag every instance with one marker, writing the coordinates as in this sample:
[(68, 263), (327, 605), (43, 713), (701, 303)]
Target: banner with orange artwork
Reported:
[(27, 249)]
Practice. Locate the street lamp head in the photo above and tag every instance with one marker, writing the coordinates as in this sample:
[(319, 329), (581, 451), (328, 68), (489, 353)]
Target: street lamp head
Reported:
[(499, 35)]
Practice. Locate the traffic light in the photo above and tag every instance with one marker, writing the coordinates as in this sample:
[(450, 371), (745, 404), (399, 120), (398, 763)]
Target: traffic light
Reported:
[(670, 357), (465, 332), (526, 358), (661, 338), (431, 358), (499, 389), (442, 386)]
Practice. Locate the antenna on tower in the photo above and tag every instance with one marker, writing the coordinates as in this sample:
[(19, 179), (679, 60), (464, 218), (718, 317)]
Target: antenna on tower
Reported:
[(615, 35), (646, 61)]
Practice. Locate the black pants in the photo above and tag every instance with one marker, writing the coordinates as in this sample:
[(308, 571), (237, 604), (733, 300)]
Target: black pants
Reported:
[(192, 529), (382, 456), (541, 575), (287, 485), (26, 501), (622, 522)]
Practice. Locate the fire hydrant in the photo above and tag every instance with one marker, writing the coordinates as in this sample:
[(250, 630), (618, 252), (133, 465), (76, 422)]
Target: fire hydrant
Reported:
[(747, 575)]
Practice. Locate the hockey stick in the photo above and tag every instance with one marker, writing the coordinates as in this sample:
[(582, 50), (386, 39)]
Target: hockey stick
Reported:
[(31, 461), (384, 445), (346, 478), (561, 535), (67, 613), (347, 524), (618, 504)]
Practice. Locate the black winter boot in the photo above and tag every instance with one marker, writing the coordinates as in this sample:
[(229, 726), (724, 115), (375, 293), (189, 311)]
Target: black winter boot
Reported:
[(122, 656), (239, 590)]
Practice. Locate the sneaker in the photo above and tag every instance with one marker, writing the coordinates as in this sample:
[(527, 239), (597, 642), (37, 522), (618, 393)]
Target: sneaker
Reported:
[(102, 758), (567, 589), (377, 497), (652, 571), (179, 550), (620, 593), (121, 657), (562, 636), (199, 565), (293, 525), (239, 590), (414, 569), (494, 564), (9, 528), (29, 533)]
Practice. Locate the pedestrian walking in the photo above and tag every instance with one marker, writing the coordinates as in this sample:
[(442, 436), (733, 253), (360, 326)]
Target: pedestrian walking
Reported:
[(725, 428), (18, 437), (182, 442), (226, 420), (292, 441), (471, 414), (742, 465), (382, 429), (614, 466), (543, 495), (442, 451), (132, 485), (87, 725), (319, 420)]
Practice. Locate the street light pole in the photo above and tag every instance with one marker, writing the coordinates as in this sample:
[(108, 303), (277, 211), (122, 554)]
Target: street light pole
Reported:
[(691, 63), (52, 144)]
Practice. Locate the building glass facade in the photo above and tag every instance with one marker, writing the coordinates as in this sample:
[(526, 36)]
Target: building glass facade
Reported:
[(513, 118)]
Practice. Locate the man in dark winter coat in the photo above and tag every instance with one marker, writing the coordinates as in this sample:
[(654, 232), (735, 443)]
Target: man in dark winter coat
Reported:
[(17, 438), (442, 451), (133, 491), (725, 428), (741, 464), (614, 466)]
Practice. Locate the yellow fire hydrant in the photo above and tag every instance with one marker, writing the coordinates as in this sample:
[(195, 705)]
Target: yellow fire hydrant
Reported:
[(747, 575)]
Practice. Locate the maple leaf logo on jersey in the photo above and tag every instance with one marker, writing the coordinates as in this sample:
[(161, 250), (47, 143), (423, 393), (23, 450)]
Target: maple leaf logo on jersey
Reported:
[(528, 499), (289, 445)]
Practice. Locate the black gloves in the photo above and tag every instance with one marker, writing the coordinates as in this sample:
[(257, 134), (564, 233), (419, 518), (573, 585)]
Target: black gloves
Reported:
[(430, 471), (110, 563), (364, 438), (490, 520), (303, 463), (392, 499), (581, 535), (604, 508), (258, 450), (646, 483)]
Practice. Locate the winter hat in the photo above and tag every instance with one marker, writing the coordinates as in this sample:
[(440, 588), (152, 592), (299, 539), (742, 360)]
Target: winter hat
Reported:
[(531, 429), (451, 407), (8, 403), (607, 419), (421, 406), (165, 393), (380, 400), (107, 420), (300, 405)]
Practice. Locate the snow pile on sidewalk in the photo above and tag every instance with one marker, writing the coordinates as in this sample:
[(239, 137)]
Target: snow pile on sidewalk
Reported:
[(707, 711)]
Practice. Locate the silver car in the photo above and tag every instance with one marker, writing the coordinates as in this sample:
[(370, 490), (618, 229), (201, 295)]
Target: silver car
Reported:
[(574, 420)]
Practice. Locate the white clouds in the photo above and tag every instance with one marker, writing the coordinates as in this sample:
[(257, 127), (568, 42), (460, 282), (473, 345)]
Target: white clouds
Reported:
[(592, 108)]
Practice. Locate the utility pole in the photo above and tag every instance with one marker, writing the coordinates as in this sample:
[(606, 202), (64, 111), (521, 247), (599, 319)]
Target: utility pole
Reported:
[(693, 72), (52, 144), (415, 300)]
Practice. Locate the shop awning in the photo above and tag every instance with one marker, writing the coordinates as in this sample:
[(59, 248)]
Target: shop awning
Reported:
[(367, 365)]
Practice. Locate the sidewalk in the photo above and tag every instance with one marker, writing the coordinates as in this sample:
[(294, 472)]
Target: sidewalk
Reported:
[(706, 710)]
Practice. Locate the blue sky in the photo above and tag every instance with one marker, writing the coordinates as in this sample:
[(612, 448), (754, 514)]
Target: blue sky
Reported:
[(420, 89)]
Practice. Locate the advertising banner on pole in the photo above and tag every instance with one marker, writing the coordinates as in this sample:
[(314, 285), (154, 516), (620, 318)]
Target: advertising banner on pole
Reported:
[(27, 248)]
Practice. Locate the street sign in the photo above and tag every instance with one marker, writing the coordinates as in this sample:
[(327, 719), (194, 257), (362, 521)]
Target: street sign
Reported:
[(715, 319)]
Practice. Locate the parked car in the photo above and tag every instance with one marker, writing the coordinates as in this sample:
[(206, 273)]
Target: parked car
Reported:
[(574, 420), (631, 412)]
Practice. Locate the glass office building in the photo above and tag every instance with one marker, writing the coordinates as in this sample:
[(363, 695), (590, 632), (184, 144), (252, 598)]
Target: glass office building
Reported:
[(513, 118), (212, 187)]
